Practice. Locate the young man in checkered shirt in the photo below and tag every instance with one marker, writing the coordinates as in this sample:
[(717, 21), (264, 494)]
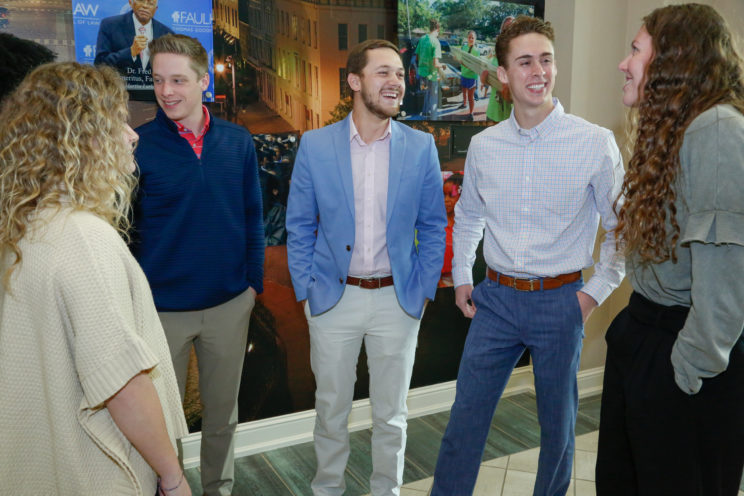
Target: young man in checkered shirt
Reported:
[(538, 183)]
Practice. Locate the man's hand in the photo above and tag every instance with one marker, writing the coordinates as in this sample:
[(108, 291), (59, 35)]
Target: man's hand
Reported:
[(138, 44), (463, 301), (587, 304)]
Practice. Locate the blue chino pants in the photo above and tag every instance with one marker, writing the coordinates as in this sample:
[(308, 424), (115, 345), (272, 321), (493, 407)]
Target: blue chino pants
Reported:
[(550, 325)]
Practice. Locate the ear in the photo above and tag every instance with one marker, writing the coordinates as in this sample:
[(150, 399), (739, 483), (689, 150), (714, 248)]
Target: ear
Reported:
[(204, 82), (355, 82), (501, 74)]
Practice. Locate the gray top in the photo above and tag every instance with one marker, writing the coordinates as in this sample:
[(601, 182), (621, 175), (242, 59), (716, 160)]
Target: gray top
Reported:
[(709, 273)]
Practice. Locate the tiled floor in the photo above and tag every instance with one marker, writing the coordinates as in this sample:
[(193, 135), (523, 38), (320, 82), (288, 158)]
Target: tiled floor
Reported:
[(508, 469), (514, 475)]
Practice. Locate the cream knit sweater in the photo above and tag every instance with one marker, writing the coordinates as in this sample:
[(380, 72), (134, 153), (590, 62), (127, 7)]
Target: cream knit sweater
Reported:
[(78, 323)]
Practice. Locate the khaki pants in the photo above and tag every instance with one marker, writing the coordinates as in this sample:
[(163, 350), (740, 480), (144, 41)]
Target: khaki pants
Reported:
[(389, 334), (219, 335)]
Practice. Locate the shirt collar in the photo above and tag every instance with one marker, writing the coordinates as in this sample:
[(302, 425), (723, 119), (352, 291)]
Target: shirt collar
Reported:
[(182, 129), (542, 129), (354, 133)]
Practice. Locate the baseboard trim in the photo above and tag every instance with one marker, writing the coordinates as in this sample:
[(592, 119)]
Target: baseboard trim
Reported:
[(295, 428)]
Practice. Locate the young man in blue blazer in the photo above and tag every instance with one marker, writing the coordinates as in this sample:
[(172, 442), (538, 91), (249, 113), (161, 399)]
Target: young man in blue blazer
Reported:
[(366, 240)]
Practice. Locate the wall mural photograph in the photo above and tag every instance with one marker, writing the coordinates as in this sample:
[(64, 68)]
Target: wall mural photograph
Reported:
[(448, 50), (279, 69), (117, 34)]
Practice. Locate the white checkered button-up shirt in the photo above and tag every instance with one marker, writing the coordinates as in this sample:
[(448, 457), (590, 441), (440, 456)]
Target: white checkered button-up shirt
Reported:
[(539, 193)]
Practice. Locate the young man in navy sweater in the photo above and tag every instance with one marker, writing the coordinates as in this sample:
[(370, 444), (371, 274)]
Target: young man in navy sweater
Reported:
[(199, 238)]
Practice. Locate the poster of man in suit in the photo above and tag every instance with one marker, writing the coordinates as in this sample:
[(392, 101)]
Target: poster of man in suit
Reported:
[(117, 34)]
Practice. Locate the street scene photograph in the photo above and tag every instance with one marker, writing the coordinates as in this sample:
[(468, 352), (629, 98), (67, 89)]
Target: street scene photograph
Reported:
[(448, 50)]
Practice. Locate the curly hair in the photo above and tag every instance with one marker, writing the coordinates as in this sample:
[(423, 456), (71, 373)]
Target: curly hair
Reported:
[(693, 68), (61, 143)]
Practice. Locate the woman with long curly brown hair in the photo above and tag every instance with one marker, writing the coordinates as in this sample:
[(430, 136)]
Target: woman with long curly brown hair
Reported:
[(672, 419), (90, 403)]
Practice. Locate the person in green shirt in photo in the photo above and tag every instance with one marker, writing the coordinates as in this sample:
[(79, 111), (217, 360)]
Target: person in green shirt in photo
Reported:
[(468, 77), (428, 53)]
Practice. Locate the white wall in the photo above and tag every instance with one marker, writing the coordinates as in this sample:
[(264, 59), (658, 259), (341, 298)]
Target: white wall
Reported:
[(592, 36)]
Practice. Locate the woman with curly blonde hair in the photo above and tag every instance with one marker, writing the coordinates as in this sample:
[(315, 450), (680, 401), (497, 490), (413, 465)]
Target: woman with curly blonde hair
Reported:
[(85, 371), (673, 398)]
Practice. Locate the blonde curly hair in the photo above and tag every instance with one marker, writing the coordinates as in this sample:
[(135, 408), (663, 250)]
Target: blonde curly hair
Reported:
[(62, 143)]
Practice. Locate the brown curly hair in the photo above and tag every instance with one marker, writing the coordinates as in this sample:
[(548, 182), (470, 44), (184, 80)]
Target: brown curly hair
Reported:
[(62, 143), (694, 67)]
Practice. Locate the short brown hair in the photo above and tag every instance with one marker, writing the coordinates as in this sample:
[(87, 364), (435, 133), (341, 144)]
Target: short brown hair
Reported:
[(357, 60), (179, 44), (434, 24), (521, 25)]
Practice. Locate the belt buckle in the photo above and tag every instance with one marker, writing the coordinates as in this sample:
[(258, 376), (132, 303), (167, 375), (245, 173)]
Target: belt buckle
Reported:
[(530, 288)]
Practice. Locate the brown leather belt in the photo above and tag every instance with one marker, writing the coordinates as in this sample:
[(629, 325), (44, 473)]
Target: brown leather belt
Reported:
[(370, 283), (533, 284)]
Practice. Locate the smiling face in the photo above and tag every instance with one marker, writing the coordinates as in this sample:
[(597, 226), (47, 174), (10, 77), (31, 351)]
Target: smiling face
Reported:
[(178, 89), (634, 67), (471, 38), (530, 74), (144, 10), (381, 84)]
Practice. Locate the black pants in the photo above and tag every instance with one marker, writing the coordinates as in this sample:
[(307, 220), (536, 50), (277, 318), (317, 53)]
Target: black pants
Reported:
[(655, 440)]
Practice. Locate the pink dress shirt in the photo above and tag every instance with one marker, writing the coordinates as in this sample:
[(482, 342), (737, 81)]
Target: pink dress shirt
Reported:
[(369, 170)]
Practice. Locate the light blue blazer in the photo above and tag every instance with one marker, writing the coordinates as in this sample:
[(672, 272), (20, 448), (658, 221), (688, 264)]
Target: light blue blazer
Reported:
[(321, 200)]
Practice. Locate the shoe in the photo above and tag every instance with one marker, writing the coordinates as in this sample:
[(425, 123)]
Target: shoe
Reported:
[(462, 106), (469, 117)]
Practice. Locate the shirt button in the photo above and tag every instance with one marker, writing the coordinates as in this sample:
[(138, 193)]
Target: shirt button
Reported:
[(348, 248), (340, 281)]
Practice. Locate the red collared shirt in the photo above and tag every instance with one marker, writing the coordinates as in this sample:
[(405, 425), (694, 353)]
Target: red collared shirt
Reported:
[(196, 142)]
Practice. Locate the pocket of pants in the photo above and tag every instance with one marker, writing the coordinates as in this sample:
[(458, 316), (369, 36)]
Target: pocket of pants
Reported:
[(475, 294), (615, 327), (577, 308)]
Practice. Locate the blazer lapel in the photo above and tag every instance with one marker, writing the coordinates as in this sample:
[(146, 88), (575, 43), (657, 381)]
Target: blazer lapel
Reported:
[(343, 160), (395, 168), (130, 34)]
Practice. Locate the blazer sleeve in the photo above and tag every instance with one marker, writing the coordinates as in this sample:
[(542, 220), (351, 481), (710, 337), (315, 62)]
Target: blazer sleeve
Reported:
[(430, 223), (112, 47), (302, 222)]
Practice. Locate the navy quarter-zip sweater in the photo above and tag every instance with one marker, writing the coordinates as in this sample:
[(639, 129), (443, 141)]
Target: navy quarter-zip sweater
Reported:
[(198, 231)]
